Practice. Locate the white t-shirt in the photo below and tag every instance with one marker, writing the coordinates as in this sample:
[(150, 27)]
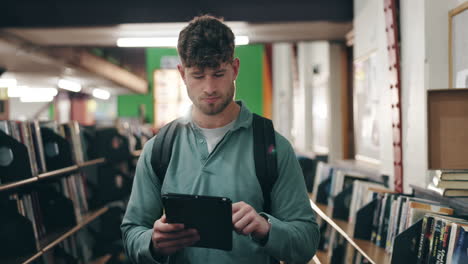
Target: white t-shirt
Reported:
[(214, 135)]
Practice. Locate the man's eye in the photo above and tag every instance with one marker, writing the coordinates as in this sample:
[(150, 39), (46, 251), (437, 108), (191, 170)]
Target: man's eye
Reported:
[(198, 77), (219, 75)]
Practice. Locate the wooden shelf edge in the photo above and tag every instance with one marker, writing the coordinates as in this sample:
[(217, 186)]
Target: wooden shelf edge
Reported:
[(92, 162), (87, 219), (354, 242), (320, 257), (58, 172), (17, 184), (23, 259), (49, 174), (33, 258)]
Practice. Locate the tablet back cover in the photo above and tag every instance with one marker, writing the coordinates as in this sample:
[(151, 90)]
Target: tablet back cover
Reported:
[(210, 215)]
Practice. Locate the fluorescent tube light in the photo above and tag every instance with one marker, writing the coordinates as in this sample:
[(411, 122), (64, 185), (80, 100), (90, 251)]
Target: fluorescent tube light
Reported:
[(164, 41), (7, 83), (101, 94), (36, 99), (147, 42), (25, 91), (241, 40), (69, 85)]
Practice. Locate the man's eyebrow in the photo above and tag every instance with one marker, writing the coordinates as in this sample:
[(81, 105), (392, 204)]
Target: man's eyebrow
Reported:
[(220, 71), (197, 73)]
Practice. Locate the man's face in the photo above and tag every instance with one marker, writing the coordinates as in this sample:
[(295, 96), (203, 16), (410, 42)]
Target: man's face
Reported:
[(211, 89)]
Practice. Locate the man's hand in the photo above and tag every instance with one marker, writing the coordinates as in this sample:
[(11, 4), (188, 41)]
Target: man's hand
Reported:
[(170, 238), (247, 221)]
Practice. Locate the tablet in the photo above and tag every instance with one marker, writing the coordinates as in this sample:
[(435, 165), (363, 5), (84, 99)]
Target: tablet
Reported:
[(211, 216)]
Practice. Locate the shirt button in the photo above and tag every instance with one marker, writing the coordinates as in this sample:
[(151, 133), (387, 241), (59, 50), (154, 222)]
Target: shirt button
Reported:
[(201, 141)]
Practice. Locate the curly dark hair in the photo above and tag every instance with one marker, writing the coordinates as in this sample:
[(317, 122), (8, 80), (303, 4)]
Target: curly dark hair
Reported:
[(206, 42)]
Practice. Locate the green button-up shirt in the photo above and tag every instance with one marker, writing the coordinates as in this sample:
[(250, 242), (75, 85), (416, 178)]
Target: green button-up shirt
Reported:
[(228, 171)]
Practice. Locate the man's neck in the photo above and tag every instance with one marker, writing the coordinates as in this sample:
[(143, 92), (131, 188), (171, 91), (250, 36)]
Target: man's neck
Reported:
[(219, 120)]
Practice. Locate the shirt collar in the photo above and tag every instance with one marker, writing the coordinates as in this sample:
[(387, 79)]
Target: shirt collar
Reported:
[(244, 120)]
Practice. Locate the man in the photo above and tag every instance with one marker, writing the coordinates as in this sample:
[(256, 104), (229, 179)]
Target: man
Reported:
[(213, 155)]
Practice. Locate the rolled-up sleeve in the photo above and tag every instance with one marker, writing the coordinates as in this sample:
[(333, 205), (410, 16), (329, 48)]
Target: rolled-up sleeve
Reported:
[(144, 208), (294, 233)]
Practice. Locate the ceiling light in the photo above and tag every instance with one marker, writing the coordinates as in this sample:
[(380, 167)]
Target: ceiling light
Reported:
[(242, 40), (25, 91), (101, 94), (36, 99), (164, 42), (6, 83), (69, 85), (147, 42)]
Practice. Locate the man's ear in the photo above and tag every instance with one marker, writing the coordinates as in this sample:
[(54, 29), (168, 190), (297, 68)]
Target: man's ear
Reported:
[(235, 67), (181, 70)]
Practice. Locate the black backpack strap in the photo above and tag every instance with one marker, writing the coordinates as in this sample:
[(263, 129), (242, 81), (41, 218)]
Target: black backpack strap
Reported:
[(162, 149), (265, 157)]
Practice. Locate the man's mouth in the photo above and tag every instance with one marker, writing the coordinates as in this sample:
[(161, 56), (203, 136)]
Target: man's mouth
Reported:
[(210, 100)]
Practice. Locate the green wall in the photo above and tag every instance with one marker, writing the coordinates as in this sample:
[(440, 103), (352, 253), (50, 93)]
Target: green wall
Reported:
[(249, 83), (128, 104), (51, 112)]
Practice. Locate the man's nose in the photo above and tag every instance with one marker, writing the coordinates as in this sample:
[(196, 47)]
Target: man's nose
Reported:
[(210, 86)]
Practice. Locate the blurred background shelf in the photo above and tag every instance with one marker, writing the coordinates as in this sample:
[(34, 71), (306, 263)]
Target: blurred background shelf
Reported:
[(50, 174), (51, 240)]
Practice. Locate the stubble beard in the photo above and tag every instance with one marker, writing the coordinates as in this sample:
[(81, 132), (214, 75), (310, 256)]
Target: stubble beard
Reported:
[(212, 109)]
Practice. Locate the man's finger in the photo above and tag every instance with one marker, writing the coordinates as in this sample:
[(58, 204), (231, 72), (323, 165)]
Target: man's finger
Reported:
[(243, 222), (236, 217), (177, 235), (169, 228), (183, 242), (163, 219), (250, 228), (239, 214), (161, 222), (236, 207)]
